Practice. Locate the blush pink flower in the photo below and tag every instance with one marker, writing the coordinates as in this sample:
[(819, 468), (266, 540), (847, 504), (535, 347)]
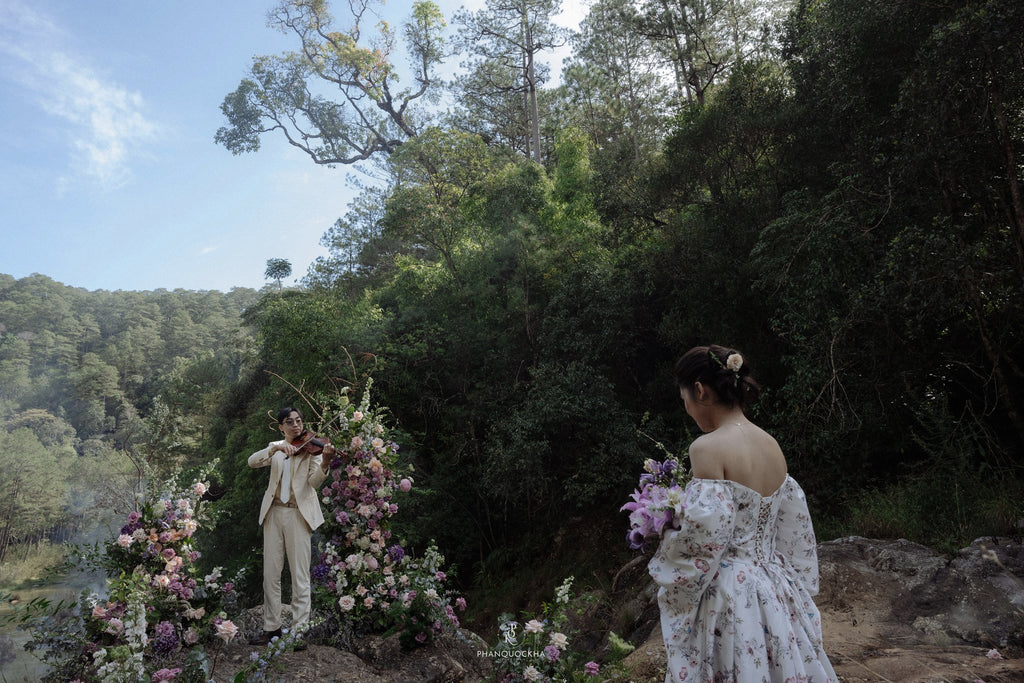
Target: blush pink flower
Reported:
[(226, 631)]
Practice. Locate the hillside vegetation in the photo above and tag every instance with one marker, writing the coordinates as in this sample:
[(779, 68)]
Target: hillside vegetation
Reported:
[(838, 195)]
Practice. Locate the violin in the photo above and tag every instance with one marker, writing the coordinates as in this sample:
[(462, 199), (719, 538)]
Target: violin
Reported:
[(309, 443)]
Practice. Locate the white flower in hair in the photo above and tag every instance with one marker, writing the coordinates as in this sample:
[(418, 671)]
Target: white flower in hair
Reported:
[(734, 362)]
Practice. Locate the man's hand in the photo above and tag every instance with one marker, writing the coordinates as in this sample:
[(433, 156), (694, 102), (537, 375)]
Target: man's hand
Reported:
[(326, 455), (286, 448)]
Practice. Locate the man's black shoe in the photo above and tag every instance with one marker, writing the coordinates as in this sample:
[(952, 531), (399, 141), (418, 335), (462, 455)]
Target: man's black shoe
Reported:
[(265, 638)]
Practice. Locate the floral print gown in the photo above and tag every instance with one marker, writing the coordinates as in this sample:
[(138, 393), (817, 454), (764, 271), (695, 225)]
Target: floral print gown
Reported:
[(736, 586)]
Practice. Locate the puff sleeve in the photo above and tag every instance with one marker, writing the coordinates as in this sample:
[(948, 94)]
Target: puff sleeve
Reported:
[(796, 549), (688, 558)]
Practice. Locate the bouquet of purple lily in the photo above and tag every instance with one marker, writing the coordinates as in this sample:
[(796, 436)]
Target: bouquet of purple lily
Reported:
[(657, 502)]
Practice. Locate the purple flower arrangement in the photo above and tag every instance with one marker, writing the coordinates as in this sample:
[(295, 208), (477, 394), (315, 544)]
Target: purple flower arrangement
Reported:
[(356, 568), (361, 574), (152, 565), (657, 502)]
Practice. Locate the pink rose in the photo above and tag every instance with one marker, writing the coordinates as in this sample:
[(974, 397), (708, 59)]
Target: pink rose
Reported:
[(405, 485), (226, 631)]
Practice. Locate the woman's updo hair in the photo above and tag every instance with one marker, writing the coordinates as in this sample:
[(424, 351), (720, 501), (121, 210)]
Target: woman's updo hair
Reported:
[(723, 369)]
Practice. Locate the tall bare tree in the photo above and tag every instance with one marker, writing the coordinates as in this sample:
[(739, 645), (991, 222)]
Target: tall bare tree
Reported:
[(613, 79), (367, 115), (503, 41)]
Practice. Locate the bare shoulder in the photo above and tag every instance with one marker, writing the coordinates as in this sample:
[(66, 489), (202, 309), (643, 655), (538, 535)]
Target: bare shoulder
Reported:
[(707, 457), (772, 446)]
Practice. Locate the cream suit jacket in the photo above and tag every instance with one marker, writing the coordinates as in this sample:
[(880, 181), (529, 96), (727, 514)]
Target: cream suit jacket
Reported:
[(306, 479)]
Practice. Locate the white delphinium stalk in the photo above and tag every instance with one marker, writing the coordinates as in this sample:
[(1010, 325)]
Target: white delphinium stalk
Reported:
[(128, 666), (562, 592)]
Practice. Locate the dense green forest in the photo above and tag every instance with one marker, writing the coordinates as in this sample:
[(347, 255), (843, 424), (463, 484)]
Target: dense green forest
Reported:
[(833, 186), (98, 389)]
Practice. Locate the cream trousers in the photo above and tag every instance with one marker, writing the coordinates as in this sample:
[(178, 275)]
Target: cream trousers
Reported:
[(285, 533)]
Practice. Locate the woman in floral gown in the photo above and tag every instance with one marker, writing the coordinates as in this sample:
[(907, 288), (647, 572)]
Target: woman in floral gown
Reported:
[(737, 578)]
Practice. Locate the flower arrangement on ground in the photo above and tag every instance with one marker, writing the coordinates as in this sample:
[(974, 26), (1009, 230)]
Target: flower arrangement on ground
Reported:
[(265, 665), (657, 502), (425, 607), (159, 604), (363, 575), (538, 648)]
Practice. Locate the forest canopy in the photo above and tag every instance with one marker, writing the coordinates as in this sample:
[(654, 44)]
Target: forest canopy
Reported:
[(96, 387)]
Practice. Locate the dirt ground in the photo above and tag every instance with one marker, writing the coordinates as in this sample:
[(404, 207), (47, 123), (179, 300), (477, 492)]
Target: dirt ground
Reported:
[(863, 649), (865, 646)]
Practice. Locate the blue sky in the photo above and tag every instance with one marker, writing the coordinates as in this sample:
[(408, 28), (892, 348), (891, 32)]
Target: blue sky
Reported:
[(109, 176)]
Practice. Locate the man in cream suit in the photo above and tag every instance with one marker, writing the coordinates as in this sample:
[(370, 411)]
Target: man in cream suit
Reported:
[(289, 514)]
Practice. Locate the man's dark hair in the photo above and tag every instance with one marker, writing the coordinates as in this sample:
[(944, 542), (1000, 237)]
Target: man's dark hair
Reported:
[(283, 414)]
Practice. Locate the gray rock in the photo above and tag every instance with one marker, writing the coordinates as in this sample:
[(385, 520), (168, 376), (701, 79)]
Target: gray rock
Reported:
[(453, 658), (969, 599)]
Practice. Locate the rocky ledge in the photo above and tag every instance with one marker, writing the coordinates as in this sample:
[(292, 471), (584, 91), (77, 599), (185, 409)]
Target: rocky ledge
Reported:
[(891, 610)]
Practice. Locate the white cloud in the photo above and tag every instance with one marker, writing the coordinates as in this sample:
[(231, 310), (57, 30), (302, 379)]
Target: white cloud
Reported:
[(105, 124)]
